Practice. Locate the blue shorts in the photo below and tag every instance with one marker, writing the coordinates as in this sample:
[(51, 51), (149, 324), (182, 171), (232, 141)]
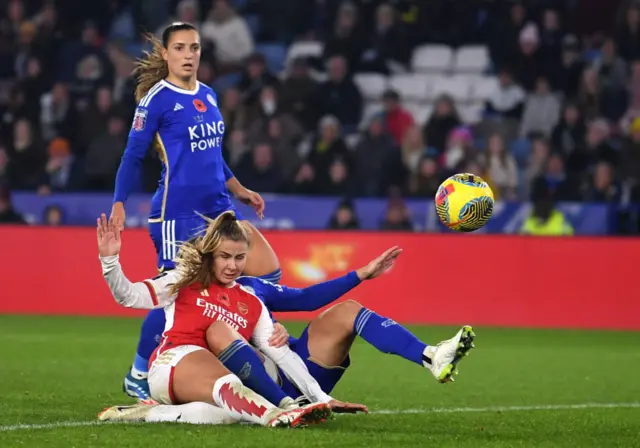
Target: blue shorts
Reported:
[(169, 234), (327, 377)]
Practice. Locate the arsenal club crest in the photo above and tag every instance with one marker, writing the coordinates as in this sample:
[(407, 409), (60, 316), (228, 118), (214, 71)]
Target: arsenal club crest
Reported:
[(243, 308)]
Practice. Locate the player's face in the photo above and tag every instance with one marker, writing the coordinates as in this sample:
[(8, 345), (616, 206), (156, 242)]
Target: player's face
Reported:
[(183, 54), (229, 260)]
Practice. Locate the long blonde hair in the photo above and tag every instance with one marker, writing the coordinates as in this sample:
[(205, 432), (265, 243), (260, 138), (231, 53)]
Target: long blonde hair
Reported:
[(194, 262), (152, 68)]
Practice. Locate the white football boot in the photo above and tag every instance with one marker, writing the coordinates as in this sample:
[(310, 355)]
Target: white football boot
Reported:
[(443, 358), (131, 413), (310, 414)]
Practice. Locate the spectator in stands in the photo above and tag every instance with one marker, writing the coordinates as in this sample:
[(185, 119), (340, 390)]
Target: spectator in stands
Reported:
[(563, 186), (508, 100), (540, 151), (95, 120), (504, 35), (340, 181), (344, 218), (528, 60), (339, 96), (104, 154), (259, 171), (389, 50), (327, 146), (372, 156), (4, 165), (58, 116), (459, 148), (502, 168), (630, 160), (628, 32), (566, 75), (551, 35), (254, 78), (230, 34), (413, 148), (186, 11), (442, 121), (63, 170), (123, 83), (589, 95), (568, 135), (595, 149), (424, 182), (53, 216), (304, 182), (612, 81), (8, 215), (397, 217), (297, 92), (15, 109), (603, 187), (230, 108), (397, 119), (34, 85), (541, 111), (27, 157), (545, 218), (282, 133), (347, 38)]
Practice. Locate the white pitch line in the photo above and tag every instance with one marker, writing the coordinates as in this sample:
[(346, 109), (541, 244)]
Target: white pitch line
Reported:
[(546, 407)]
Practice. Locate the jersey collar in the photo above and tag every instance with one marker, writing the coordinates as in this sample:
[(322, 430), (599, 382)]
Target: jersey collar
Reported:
[(179, 90)]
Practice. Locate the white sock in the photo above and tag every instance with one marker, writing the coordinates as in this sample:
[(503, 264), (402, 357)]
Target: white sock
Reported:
[(196, 413), (241, 402)]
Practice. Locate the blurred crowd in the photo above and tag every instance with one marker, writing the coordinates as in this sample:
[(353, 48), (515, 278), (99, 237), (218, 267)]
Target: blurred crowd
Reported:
[(563, 119)]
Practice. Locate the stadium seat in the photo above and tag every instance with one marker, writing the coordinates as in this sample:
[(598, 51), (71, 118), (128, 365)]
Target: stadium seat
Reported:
[(421, 111), (456, 87), (371, 108), (411, 86), (310, 49), (253, 22), (432, 58), (371, 85), (275, 55), (472, 59), (482, 88)]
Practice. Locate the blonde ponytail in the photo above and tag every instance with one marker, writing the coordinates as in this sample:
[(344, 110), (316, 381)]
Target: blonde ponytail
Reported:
[(151, 69), (194, 262)]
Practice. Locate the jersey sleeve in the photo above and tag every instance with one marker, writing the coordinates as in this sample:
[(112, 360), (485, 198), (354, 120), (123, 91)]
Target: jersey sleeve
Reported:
[(283, 298), (148, 294), (146, 122), (291, 364)]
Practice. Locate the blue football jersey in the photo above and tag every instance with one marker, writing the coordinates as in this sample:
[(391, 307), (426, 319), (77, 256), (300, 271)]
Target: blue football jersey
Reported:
[(188, 129)]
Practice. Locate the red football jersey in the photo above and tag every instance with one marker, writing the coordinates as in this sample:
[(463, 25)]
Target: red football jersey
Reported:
[(194, 310)]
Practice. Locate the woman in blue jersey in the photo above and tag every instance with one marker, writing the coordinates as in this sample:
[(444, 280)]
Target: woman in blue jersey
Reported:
[(180, 117)]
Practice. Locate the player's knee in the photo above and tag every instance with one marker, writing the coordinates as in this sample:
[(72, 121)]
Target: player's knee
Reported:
[(219, 336), (348, 310)]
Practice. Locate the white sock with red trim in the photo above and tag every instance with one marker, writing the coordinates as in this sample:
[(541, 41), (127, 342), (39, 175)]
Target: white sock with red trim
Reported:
[(239, 401), (196, 413)]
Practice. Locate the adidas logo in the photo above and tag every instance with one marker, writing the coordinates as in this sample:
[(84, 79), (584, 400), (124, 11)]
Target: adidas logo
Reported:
[(178, 106)]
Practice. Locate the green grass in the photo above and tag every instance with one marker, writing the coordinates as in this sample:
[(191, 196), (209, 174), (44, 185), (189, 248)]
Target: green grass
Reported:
[(61, 369)]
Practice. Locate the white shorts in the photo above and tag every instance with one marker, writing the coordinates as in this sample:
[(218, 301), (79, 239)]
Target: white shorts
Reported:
[(161, 372)]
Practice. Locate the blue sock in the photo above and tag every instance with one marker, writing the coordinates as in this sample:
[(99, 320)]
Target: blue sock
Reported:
[(273, 277), (242, 360), (150, 335), (388, 336)]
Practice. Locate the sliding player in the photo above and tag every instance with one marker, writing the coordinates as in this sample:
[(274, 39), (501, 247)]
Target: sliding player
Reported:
[(181, 118), (200, 296)]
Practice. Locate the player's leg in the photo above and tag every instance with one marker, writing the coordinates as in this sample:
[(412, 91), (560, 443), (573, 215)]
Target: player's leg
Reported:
[(191, 374), (262, 261), (166, 237), (331, 334), (242, 360)]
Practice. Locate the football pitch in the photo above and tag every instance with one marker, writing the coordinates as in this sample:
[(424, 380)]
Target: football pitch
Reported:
[(538, 388)]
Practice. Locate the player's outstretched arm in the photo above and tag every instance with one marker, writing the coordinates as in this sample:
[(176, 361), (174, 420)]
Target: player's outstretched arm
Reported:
[(281, 298), (243, 194), (153, 293)]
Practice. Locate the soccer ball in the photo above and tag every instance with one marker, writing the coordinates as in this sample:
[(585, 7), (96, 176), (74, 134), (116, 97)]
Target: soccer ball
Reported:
[(464, 202)]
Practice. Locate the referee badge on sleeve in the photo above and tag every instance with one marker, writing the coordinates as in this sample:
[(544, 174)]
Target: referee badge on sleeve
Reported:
[(139, 119)]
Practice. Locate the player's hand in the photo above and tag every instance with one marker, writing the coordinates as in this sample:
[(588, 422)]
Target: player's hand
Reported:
[(280, 336), (109, 242), (376, 267), (341, 407), (253, 199), (118, 215)]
